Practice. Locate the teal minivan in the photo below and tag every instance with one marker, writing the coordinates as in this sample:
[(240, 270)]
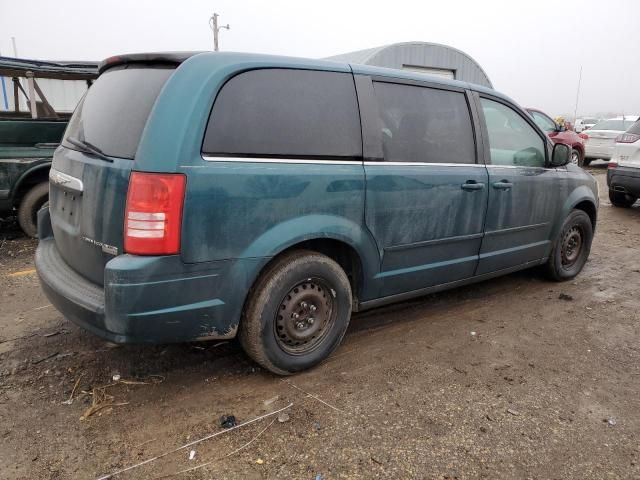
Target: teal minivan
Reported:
[(201, 196)]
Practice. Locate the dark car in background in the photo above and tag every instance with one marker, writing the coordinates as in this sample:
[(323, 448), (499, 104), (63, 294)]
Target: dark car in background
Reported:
[(561, 134), (31, 127)]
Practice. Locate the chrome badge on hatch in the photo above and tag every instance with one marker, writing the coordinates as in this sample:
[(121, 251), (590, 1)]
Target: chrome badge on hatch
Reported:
[(110, 249)]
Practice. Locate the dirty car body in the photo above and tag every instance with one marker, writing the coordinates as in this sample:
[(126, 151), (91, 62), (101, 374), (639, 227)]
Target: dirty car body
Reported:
[(276, 158)]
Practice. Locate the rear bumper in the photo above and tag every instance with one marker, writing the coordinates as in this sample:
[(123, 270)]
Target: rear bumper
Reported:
[(624, 180), (148, 299)]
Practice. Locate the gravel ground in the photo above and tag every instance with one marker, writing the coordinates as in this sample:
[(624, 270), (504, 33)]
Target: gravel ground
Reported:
[(515, 377)]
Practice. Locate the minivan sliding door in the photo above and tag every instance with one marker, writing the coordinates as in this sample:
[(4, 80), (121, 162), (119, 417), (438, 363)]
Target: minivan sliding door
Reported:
[(426, 194)]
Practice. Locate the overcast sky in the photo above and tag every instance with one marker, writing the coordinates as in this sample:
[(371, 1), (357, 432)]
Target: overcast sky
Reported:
[(531, 51)]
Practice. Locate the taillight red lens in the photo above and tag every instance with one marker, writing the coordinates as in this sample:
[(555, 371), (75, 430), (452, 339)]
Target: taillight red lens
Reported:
[(612, 165), (584, 136), (153, 215), (627, 138)]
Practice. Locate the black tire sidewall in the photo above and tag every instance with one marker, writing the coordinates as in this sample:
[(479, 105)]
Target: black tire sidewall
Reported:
[(619, 199), (580, 159), (285, 279), (30, 204), (576, 218)]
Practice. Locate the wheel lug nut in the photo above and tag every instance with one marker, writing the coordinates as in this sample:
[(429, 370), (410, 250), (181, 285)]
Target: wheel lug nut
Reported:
[(303, 304), (310, 320), (313, 308), (300, 325)]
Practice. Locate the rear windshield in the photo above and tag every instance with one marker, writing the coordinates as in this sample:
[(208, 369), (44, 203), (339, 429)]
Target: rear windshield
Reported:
[(635, 128), (620, 125), (113, 113)]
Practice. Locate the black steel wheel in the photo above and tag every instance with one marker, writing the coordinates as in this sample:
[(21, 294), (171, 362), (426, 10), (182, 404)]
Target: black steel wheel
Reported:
[(571, 249), (305, 316), (297, 312)]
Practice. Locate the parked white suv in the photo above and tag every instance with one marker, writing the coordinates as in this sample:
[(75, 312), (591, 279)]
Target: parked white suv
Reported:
[(623, 175)]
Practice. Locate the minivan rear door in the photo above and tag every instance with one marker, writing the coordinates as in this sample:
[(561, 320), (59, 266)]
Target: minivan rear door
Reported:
[(90, 171), (426, 191)]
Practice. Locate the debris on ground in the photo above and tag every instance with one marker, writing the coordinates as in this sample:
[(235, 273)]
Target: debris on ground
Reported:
[(283, 417), (564, 296), (270, 401), (610, 421), (259, 461), (513, 412), (192, 454), (228, 421)]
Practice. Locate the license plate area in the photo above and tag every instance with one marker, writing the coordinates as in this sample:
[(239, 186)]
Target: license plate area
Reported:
[(65, 206)]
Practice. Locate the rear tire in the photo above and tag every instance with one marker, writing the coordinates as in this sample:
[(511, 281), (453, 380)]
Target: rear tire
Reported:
[(571, 249), (586, 162), (33, 201), (296, 313), (622, 200)]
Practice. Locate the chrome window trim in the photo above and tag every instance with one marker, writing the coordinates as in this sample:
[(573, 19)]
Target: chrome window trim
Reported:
[(518, 166), (66, 182), (211, 158), (426, 164)]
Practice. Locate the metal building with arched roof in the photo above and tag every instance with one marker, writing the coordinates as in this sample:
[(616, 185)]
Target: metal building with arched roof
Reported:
[(423, 57)]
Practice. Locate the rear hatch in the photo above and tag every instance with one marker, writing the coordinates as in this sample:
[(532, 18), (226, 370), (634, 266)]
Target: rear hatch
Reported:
[(90, 171)]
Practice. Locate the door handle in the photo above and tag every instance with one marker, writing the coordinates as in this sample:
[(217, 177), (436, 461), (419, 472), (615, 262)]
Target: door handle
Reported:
[(502, 185), (472, 185)]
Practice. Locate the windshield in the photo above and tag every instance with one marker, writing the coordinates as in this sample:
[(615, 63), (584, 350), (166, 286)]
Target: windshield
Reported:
[(113, 113), (614, 124)]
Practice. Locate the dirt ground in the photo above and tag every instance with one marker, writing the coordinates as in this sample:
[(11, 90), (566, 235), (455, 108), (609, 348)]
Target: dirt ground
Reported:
[(503, 379)]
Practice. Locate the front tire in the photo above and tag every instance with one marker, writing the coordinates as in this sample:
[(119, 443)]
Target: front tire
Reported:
[(620, 199), (576, 158), (572, 247), (297, 312), (33, 201)]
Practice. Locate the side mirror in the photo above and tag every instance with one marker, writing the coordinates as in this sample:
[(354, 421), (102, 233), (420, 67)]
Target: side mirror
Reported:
[(560, 155)]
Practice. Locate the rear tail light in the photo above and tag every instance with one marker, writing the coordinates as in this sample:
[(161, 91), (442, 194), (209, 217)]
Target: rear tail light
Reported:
[(612, 165), (627, 138), (584, 136), (153, 215)]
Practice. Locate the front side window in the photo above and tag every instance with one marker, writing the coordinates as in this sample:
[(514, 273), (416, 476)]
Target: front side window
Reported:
[(544, 122), (282, 112), (422, 124), (512, 141)]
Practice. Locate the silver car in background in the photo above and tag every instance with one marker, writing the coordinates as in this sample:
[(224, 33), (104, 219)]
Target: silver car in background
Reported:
[(601, 141)]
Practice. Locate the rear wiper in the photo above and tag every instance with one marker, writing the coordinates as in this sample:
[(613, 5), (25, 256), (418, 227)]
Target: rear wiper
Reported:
[(88, 148)]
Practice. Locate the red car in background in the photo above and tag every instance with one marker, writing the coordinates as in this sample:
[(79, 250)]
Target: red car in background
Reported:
[(560, 134)]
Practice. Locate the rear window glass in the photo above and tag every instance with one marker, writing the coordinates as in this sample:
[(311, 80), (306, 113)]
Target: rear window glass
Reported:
[(113, 113), (620, 125), (422, 124), (635, 128), (281, 112)]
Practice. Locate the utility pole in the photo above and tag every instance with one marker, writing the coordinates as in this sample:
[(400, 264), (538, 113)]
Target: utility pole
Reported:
[(213, 23), (575, 112)]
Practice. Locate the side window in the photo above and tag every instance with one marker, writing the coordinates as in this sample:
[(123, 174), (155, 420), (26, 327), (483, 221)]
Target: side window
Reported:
[(281, 112), (544, 122), (422, 124), (512, 140)]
